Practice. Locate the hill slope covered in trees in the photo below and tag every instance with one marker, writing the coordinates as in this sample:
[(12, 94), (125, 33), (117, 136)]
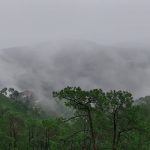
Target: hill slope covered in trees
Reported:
[(100, 120)]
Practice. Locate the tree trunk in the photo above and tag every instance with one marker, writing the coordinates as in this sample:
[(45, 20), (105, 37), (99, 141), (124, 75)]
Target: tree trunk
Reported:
[(114, 146), (91, 129)]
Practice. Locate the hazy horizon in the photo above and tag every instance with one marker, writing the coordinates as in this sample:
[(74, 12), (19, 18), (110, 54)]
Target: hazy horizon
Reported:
[(77, 63)]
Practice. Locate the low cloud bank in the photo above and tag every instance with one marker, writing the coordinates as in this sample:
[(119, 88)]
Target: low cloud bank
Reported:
[(52, 66)]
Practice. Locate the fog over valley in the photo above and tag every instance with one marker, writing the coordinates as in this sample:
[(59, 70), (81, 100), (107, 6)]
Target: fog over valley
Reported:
[(52, 66)]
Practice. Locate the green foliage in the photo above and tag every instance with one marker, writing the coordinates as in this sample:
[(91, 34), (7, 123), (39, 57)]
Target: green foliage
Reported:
[(99, 120)]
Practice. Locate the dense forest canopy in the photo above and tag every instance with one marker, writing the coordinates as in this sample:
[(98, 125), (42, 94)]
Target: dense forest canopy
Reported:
[(98, 120)]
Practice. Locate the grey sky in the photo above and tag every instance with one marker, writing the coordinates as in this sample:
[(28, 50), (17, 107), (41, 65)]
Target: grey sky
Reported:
[(24, 22)]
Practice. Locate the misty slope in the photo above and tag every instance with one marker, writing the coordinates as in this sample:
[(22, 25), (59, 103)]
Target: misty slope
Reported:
[(9, 106), (52, 66), (21, 129)]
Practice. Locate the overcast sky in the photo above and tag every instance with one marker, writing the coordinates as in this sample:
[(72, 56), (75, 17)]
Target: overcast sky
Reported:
[(24, 22)]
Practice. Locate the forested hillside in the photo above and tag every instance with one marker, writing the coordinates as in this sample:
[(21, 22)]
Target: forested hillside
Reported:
[(99, 120)]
